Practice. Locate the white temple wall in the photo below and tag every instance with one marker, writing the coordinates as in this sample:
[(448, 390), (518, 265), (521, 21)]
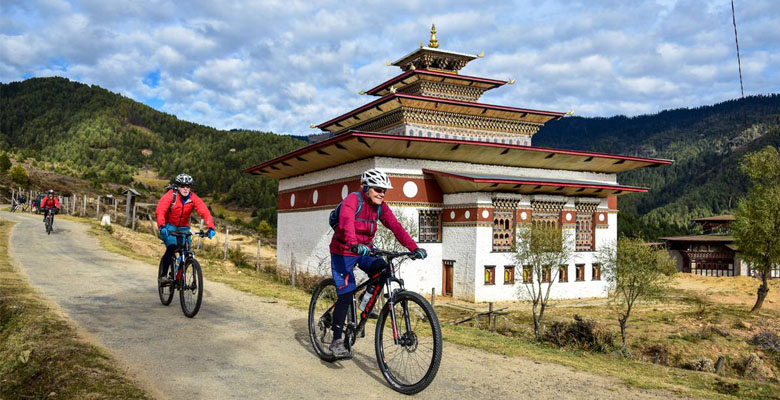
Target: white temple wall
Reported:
[(415, 167)]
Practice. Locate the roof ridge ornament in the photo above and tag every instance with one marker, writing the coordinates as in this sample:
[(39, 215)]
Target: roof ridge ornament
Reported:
[(434, 44)]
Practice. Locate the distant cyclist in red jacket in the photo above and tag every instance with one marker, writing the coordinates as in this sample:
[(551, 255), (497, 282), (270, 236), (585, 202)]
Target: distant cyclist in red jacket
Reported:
[(50, 203), (173, 215), (352, 242)]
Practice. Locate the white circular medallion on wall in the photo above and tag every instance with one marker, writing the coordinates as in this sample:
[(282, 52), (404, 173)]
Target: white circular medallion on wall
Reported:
[(485, 214), (467, 214), (523, 215), (452, 214), (315, 196), (344, 192), (410, 189), (292, 200), (568, 216), (601, 217)]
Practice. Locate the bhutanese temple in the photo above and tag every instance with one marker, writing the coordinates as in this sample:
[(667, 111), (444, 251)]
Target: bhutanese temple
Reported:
[(464, 173)]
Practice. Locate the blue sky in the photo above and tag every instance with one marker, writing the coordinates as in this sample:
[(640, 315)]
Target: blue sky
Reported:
[(280, 65)]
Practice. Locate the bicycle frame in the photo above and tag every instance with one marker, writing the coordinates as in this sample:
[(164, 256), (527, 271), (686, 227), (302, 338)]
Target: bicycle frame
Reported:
[(383, 280), (184, 250)]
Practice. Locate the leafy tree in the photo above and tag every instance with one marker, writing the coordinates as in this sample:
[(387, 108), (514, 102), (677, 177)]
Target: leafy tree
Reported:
[(5, 163), (757, 225), (542, 249), (19, 175), (635, 270), (384, 238)]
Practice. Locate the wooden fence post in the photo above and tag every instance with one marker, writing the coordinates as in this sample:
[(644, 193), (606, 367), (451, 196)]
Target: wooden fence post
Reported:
[(491, 317), (116, 201), (97, 208), (135, 206), (292, 271), (84, 212), (257, 256), (227, 232), (433, 296)]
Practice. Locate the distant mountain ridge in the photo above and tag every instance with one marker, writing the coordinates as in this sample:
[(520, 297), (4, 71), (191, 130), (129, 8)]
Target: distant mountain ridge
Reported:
[(104, 137), (706, 143)]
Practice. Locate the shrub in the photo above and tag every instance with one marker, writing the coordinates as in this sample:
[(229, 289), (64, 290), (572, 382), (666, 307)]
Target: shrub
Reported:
[(19, 175), (581, 334), (5, 163), (238, 257), (768, 341), (702, 364)]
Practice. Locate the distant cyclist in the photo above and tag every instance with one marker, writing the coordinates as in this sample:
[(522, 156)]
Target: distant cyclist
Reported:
[(173, 215), (352, 242), (49, 204)]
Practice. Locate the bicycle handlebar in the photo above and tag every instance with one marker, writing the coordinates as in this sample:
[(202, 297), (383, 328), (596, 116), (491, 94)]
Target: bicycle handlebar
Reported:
[(392, 254), (200, 233)]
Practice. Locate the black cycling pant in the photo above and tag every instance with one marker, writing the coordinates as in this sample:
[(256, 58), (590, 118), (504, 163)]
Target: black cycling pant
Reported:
[(170, 251), (345, 299)]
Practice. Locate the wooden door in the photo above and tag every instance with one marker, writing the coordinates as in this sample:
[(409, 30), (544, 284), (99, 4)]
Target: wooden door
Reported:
[(447, 269)]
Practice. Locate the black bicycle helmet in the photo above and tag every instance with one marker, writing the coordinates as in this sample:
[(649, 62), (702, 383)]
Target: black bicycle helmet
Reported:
[(184, 179)]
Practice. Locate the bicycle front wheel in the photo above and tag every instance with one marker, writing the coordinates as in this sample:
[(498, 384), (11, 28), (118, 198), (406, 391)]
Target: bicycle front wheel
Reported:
[(165, 291), (323, 301), (191, 291), (409, 365)]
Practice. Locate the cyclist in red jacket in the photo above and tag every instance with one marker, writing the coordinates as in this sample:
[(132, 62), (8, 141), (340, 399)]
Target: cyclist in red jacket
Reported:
[(173, 215), (351, 245), (50, 203)]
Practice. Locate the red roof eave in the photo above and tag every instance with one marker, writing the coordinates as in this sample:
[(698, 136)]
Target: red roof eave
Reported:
[(532, 182), (437, 100), (433, 73), (352, 134)]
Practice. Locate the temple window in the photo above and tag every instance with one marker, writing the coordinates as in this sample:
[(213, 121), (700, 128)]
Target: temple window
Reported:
[(509, 275), (547, 213), (490, 275), (584, 227), (430, 226), (503, 225)]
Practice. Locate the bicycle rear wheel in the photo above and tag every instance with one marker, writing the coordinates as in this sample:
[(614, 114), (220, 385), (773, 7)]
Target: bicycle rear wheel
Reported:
[(323, 301), (191, 291), (409, 366), (165, 291)]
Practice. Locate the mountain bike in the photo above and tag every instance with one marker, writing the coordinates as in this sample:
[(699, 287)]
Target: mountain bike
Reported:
[(49, 221), (407, 339), (184, 274)]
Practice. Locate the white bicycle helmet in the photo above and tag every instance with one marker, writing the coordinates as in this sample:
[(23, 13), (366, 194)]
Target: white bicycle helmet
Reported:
[(375, 178), (183, 179)]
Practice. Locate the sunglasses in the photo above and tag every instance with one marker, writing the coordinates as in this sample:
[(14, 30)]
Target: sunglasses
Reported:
[(185, 186), (379, 190)]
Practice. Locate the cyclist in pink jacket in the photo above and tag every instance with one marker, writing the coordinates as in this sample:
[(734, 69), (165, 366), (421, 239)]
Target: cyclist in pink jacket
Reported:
[(352, 243)]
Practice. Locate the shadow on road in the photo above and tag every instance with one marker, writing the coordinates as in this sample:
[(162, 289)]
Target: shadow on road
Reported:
[(365, 362)]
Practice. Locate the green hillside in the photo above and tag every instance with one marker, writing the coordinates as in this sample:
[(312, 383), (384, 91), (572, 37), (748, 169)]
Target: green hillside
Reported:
[(706, 144), (91, 133), (103, 137)]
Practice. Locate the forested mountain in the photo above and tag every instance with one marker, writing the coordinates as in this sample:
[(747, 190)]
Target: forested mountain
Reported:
[(105, 137), (706, 143)]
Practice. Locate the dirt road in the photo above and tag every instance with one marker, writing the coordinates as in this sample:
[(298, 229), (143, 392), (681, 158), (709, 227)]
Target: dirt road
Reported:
[(242, 346)]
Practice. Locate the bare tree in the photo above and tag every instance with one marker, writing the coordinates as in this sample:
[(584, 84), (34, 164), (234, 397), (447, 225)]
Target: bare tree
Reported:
[(635, 270), (540, 251)]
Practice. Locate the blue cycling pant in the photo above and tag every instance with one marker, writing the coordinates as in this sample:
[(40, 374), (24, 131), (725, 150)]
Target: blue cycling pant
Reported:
[(342, 268)]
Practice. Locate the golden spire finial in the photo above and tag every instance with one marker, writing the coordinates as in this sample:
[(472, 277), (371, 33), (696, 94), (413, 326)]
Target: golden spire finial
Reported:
[(434, 44)]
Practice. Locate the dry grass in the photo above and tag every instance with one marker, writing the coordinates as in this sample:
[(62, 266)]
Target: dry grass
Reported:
[(41, 355), (150, 178)]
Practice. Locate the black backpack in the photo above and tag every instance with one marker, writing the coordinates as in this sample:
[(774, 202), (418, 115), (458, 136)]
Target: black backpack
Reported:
[(333, 220)]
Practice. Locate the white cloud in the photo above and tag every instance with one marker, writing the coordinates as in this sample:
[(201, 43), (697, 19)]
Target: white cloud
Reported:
[(281, 65)]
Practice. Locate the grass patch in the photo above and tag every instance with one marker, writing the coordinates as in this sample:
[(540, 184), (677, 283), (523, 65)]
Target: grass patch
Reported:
[(41, 355)]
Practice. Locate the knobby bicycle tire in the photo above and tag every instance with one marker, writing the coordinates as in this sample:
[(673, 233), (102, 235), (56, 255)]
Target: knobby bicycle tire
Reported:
[(323, 299), (49, 225), (424, 347), (191, 296), (165, 292)]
